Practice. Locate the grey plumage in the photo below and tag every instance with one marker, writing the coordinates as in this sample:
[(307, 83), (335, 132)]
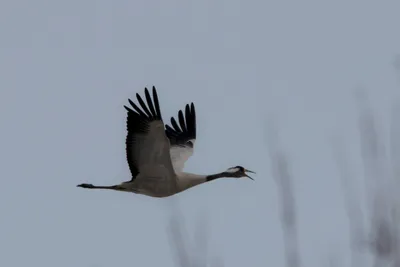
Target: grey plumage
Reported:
[(156, 153)]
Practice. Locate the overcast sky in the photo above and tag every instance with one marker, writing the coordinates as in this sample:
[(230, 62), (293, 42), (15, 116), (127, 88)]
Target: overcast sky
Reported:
[(68, 67)]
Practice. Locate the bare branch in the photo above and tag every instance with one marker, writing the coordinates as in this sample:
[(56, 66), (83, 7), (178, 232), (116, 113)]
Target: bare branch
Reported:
[(352, 205), (383, 209), (187, 253), (281, 173), (178, 237)]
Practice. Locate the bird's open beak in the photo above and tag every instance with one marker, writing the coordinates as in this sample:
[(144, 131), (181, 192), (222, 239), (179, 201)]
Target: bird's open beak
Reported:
[(249, 172)]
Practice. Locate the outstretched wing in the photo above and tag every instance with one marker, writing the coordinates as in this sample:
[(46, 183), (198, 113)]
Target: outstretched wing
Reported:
[(182, 137), (147, 146)]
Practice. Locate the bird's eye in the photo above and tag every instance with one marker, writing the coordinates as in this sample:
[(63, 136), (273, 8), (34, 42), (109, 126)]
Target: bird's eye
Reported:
[(189, 143)]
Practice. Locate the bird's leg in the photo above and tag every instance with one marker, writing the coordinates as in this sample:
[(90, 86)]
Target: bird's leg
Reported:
[(86, 185), (90, 186)]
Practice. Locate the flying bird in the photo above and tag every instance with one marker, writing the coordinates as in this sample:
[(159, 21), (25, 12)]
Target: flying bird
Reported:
[(156, 152)]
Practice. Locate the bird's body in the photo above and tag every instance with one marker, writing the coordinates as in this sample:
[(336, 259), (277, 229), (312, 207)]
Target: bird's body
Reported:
[(156, 153)]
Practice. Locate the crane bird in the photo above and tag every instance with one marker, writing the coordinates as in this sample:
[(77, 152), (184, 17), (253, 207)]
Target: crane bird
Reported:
[(156, 153)]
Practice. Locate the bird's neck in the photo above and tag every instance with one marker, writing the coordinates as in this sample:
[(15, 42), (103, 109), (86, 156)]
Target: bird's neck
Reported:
[(188, 180), (217, 175)]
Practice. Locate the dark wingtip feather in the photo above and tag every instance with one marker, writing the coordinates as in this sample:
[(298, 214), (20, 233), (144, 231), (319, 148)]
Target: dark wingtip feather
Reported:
[(182, 121), (193, 111), (131, 102), (143, 105), (138, 110), (150, 103), (189, 119), (128, 109), (156, 103), (182, 133), (175, 125), (187, 111)]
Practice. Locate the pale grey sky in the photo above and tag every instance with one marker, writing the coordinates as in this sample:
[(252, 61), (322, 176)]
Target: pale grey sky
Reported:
[(68, 67)]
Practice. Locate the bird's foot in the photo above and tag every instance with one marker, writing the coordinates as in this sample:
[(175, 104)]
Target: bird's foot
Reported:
[(85, 185)]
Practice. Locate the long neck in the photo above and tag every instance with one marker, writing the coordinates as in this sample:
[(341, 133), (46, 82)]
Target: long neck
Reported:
[(217, 175), (188, 180)]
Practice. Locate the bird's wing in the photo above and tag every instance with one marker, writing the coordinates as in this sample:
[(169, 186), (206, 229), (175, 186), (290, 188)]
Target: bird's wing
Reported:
[(182, 137), (147, 146)]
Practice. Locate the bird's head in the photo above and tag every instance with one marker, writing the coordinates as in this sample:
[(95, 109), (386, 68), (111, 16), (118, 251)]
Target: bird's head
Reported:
[(238, 172)]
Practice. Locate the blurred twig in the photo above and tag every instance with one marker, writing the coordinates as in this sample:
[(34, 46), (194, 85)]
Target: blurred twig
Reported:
[(396, 65), (395, 162), (281, 173), (188, 253), (352, 204), (383, 207)]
